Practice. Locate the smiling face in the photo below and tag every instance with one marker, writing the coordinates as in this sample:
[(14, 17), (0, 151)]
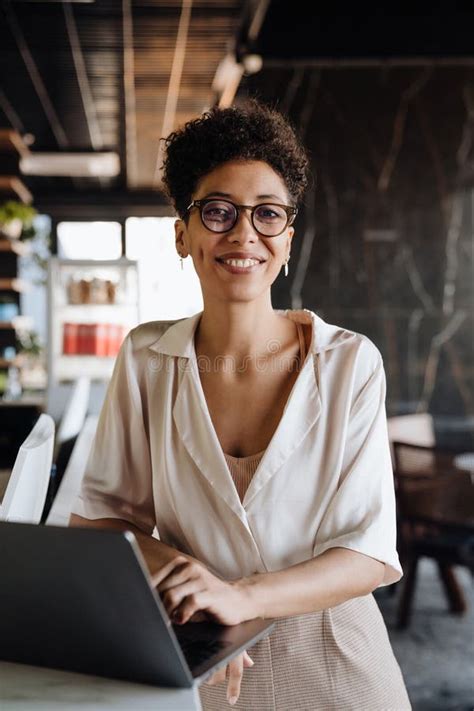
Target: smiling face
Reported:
[(240, 264)]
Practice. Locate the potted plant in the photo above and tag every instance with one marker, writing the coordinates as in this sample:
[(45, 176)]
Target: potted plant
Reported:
[(16, 218), (30, 360)]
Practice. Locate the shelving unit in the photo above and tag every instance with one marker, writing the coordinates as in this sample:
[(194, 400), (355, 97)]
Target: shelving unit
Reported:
[(13, 284), (72, 281), (14, 246), (12, 187), (17, 324)]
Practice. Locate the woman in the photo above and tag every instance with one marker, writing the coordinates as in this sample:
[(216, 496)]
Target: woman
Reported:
[(255, 441)]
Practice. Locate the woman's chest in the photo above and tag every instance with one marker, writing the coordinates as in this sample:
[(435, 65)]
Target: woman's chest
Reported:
[(245, 411)]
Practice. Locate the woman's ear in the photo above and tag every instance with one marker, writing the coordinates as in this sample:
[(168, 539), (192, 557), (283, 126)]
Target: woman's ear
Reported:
[(180, 241), (291, 232)]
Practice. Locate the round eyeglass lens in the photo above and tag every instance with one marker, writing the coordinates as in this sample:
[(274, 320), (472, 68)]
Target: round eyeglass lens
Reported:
[(219, 215), (270, 219)]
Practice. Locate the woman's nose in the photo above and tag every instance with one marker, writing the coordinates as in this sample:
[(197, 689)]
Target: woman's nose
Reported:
[(243, 230)]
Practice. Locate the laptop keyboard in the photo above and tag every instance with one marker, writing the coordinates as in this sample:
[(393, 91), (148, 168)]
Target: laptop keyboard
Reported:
[(197, 651)]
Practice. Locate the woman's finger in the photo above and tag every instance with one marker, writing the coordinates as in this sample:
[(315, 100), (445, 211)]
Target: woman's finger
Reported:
[(236, 669), (190, 605), (248, 661), (173, 598), (200, 616), (181, 574), (163, 572)]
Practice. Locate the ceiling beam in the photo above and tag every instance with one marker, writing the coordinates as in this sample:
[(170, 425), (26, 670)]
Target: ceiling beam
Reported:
[(118, 204), (9, 111), (35, 77), (174, 83), (231, 69), (259, 11), (129, 94), (83, 80)]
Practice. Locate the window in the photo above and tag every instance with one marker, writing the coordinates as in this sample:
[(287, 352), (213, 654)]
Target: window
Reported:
[(166, 290), (89, 240)]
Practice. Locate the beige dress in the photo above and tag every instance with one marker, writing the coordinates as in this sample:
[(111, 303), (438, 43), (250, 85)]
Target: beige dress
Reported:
[(337, 659), (325, 480)]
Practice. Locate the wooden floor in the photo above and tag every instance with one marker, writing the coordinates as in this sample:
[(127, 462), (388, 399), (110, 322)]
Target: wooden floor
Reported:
[(435, 652)]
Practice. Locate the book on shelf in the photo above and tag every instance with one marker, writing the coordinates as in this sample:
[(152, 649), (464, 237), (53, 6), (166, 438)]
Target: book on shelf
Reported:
[(99, 339)]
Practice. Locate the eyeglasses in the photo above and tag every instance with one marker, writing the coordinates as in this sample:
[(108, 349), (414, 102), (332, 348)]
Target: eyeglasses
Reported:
[(268, 219)]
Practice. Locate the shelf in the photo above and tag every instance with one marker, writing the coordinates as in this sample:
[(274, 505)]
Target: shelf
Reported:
[(15, 187), (13, 285), (12, 142), (122, 314), (27, 400), (15, 246), (94, 306), (95, 367), (18, 323), (66, 367), (7, 362)]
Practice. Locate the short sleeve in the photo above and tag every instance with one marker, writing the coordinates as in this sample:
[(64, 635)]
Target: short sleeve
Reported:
[(118, 480), (362, 513)]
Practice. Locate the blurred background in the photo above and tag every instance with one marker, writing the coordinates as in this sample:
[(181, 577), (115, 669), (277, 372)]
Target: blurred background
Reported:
[(383, 97)]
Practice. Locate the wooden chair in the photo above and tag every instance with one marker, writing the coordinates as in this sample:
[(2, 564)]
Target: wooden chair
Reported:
[(435, 508), (417, 428), (26, 489)]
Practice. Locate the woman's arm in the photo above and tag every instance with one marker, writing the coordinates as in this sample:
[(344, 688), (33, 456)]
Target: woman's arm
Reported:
[(155, 553), (331, 578)]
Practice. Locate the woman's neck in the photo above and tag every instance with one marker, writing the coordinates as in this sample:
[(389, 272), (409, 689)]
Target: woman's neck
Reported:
[(240, 330)]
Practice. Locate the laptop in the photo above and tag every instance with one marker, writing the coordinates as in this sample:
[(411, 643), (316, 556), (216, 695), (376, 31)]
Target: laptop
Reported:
[(81, 599)]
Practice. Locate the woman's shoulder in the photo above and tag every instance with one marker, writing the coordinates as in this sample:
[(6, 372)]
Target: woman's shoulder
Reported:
[(337, 339), (145, 334)]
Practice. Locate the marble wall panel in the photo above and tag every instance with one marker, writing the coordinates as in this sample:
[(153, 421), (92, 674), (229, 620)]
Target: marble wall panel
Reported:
[(384, 243)]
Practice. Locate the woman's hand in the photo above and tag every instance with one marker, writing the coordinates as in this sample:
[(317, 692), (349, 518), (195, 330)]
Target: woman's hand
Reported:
[(187, 587), (234, 670)]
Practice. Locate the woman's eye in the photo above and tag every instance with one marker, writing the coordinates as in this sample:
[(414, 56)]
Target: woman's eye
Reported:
[(268, 213), (217, 213)]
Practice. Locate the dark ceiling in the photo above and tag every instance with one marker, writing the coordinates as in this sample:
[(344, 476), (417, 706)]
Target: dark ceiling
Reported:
[(299, 31), (109, 75), (118, 74)]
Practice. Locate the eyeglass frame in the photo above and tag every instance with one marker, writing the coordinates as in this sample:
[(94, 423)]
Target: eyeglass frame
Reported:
[(291, 213)]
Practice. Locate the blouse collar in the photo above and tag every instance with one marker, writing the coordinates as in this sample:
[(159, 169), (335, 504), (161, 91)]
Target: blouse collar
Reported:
[(178, 339)]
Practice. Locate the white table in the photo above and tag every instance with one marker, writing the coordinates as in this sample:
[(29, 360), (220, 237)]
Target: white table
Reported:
[(29, 688)]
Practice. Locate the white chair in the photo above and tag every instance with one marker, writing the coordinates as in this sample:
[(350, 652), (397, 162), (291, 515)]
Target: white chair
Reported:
[(71, 481), (70, 425), (25, 494), (75, 412)]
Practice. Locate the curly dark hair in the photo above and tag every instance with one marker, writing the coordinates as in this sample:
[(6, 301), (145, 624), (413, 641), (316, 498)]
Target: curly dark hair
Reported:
[(250, 131)]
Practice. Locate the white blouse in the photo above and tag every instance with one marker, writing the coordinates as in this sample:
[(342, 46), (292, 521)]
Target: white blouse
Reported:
[(324, 481)]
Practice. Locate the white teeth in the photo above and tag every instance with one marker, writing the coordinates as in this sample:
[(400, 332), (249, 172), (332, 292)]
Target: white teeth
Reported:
[(241, 262)]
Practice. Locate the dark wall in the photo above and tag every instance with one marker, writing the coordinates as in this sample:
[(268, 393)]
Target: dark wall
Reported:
[(384, 243)]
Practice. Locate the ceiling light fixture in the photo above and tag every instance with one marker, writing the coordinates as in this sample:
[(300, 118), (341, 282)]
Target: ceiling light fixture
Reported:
[(73, 165), (252, 63), (227, 79)]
